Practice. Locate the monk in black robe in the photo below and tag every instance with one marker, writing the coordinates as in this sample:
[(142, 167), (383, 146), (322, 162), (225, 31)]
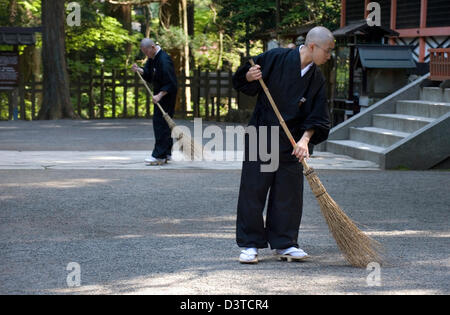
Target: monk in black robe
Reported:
[(298, 88), (159, 71)]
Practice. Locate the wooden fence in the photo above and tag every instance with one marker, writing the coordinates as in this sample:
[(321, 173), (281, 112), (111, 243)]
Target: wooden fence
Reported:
[(210, 98), (439, 64)]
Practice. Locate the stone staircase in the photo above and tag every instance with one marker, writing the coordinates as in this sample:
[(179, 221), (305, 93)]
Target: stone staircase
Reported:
[(398, 129)]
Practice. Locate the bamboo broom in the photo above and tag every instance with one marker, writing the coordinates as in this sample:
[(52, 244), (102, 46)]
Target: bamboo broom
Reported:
[(358, 248), (190, 149)]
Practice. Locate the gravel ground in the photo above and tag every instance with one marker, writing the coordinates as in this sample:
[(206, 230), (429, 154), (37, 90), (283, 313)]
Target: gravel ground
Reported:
[(172, 232)]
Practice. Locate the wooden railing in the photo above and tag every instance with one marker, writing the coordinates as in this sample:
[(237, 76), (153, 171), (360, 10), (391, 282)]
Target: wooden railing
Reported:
[(439, 64), (120, 94)]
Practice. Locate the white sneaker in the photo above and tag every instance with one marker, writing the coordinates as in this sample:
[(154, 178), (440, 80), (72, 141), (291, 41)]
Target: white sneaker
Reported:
[(249, 256), (291, 254), (168, 158), (154, 161)]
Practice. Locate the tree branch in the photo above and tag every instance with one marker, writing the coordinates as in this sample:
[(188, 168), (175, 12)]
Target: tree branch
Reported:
[(137, 2)]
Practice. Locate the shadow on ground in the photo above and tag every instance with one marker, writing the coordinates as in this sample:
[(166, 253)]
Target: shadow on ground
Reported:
[(172, 232)]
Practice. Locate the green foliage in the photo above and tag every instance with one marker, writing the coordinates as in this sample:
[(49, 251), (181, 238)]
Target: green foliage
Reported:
[(246, 18), (325, 13), (100, 39), (250, 19), (20, 13), (173, 38), (205, 44), (203, 18), (4, 109)]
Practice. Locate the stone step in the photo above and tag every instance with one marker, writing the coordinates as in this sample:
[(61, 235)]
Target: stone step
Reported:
[(356, 149), (435, 94), (376, 136), (400, 122), (422, 108)]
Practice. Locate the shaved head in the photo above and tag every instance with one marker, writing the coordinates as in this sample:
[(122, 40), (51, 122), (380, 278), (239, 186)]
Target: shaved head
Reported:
[(149, 47), (147, 43), (319, 35), (319, 45)]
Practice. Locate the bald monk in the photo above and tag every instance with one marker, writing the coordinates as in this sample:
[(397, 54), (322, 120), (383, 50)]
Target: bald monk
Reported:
[(159, 71), (298, 88)]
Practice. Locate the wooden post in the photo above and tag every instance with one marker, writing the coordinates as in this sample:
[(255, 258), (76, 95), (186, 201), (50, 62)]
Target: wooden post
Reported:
[(147, 104), (113, 93), (33, 97), (91, 100), (218, 85), (102, 93), (193, 91), (136, 96), (213, 104), (23, 115), (423, 24), (366, 2), (21, 109), (198, 81), (230, 89), (125, 87), (183, 93), (207, 94), (351, 72), (343, 12), (79, 95), (393, 19), (12, 103)]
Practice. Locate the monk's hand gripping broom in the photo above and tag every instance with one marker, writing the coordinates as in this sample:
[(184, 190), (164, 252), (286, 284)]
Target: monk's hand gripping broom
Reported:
[(188, 146), (358, 248)]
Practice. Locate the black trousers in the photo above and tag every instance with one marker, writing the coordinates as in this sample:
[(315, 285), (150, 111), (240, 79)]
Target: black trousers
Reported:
[(163, 137), (284, 208)]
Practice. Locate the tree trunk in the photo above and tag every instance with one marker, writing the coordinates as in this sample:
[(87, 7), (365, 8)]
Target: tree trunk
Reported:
[(122, 12), (12, 10), (191, 23), (56, 96), (247, 39), (187, 91), (148, 18), (169, 13), (219, 57)]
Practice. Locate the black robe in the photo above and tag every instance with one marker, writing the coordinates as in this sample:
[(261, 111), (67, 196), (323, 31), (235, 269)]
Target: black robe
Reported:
[(281, 71), (161, 73)]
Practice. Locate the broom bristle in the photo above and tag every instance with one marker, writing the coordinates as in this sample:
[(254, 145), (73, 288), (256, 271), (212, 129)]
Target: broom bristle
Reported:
[(190, 149), (358, 248)]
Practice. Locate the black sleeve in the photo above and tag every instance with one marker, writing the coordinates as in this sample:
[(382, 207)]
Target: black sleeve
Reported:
[(319, 117), (240, 82), (148, 71), (169, 79)]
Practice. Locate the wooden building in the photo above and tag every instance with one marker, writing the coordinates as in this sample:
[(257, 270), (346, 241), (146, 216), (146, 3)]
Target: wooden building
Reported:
[(374, 61), (423, 24)]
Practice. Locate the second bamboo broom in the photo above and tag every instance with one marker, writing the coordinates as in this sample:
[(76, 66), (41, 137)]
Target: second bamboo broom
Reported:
[(191, 150), (358, 248)]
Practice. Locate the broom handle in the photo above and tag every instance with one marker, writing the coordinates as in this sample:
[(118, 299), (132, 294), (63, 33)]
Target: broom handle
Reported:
[(151, 93), (280, 118)]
